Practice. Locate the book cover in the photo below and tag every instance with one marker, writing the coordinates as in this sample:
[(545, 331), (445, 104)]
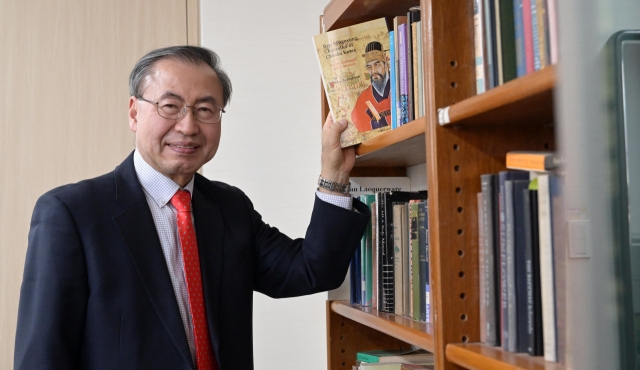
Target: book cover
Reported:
[(547, 279), (403, 69), (423, 256), (508, 41), (539, 161), (393, 79), (478, 39), (520, 260), (521, 59), (407, 356), (354, 66), (491, 289)]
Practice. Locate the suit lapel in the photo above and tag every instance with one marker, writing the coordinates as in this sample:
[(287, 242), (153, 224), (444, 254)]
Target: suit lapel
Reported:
[(137, 229), (209, 225)]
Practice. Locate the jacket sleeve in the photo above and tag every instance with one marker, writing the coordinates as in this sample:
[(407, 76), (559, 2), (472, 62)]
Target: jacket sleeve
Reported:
[(319, 262), (53, 297)]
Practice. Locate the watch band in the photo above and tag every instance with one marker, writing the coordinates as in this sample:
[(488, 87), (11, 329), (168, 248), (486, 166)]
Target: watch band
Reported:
[(334, 186)]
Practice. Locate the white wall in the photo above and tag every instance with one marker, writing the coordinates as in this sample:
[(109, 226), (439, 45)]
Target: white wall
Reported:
[(270, 148)]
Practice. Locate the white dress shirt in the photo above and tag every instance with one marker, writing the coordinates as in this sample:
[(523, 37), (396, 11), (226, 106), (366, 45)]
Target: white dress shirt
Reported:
[(158, 189)]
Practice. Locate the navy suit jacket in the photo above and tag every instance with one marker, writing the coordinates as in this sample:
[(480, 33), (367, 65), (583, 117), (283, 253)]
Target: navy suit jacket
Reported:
[(96, 291)]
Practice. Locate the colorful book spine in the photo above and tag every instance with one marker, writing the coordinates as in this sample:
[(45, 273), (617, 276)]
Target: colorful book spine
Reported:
[(403, 74), (423, 255), (535, 35), (392, 80), (543, 31), (415, 259), (521, 59), (398, 261), (420, 103), (368, 199), (478, 37), (374, 255), (528, 35)]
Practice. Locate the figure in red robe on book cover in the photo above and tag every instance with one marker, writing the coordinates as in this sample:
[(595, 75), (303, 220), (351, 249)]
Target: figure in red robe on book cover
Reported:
[(373, 106)]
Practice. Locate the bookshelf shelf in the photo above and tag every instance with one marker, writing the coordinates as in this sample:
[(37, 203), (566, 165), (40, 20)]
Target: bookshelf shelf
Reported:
[(402, 147), (477, 356), (528, 99), (407, 330), (342, 13)]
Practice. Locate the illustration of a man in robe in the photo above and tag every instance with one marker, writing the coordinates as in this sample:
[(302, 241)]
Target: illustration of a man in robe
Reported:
[(373, 107)]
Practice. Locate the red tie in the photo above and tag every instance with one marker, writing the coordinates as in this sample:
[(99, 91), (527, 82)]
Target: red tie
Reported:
[(205, 359)]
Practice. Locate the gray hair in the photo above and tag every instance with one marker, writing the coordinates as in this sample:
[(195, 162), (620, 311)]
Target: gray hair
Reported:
[(187, 54)]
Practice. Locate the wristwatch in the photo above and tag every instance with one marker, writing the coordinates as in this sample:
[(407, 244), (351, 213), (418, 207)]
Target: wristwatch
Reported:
[(334, 186)]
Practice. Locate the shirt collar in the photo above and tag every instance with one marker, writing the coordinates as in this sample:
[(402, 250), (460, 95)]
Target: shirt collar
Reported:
[(157, 185)]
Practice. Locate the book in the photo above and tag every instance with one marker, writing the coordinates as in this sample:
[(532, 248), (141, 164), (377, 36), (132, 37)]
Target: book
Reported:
[(497, 30), (396, 104), (490, 290), (507, 41), (535, 35), (481, 271), (399, 257), (532, 160), (423, 256), (478, 39), (532, 255), (354, 66), (416, 367), (407, 356), (521, 59), (389, 366), (374, 254), (354, 274), (367, 259), (489, 43), (543, 31), (509, 222), (414, 74), (413, 16), (403, 75), (528, 35), (415, 259), (392, 79), (421, 90), (547, 279), (520, 187)]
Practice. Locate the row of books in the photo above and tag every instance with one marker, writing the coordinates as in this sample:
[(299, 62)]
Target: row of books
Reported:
[(394, 359), (512, 38), (516, 211), (372, 74), (390, 270)]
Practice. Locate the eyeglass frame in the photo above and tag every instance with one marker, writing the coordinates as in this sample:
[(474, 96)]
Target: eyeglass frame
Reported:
[(183, 110)]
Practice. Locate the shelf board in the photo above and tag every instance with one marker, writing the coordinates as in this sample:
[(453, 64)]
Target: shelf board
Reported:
[(525, 99), (478, 356), (342, 13), (407, 330), (402, 147)]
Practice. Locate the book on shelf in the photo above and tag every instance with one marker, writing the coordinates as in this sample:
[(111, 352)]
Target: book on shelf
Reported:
[(406, 356), (520, 263), (400, 246), (393, 91), (398, 105), (490, 291), (354, 68), (393, 366), (508, 69), (539, 161), (478, 37), (423, 261), (534, 343)]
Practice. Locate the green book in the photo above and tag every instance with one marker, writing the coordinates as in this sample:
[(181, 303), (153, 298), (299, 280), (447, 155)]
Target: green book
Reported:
[(367, 256), (408, 356)]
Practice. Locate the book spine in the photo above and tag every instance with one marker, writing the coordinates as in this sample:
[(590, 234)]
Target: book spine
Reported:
[(406, 262), (403, 78), (521, 60), (538, 339), (374, 254), (546, 269), (369, 199), (520, 187), (478, 39), (559, 260), (415, 260), (409, 61), (397, 261), (491, 277), (528, 35), (528, 256), (535, 35), (511, 274), (423, 255), (381, 250), (508, 43), (414, 64), (386, 244), (353, 287), (363, 266), (543, 28), (482, 271), (553, 31), (504, 314), (489, 37), (392, 80), (497, 29), (420, 72)]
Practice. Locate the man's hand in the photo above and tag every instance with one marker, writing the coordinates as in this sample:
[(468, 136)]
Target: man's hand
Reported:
[(336, 161)]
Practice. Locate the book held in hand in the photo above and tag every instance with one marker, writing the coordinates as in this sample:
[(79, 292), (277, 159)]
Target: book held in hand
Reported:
[(354, 64)]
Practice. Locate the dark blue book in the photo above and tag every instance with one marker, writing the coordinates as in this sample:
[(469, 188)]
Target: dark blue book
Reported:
[(521, 61), (520, 187), (354, 276)]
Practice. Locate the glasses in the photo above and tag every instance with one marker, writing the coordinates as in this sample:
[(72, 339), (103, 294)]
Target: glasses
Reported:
[(172, 108)]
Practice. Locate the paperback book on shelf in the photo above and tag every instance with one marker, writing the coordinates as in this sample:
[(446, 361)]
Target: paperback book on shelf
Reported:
[(354, 65)]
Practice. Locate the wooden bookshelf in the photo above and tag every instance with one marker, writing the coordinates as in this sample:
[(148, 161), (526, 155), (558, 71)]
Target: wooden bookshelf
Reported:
[(477, 356), (481, 129), (528, 99)]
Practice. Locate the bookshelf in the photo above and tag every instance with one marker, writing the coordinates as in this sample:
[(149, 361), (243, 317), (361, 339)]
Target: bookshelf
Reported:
[(474, 140)]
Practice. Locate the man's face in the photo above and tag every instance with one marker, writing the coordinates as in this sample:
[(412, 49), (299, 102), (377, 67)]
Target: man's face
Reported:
[(377, 69), (176, 148)]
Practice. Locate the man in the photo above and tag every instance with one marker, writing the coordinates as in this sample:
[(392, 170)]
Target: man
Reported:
[(152, 266), (373, 107)]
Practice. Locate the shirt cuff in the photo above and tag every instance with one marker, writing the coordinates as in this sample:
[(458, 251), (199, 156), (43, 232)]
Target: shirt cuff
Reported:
[(345, 202)]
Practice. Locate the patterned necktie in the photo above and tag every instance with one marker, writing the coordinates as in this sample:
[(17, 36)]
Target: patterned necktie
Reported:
[(205, 359)]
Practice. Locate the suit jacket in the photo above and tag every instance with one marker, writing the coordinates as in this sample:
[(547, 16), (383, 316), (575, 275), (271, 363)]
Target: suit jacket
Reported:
[(96, 291)]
